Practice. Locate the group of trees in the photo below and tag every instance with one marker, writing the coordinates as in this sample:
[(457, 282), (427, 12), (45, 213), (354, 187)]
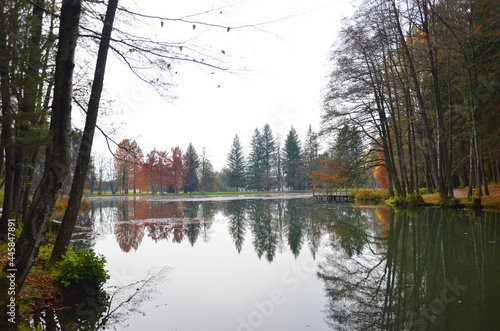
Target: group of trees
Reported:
[(269, 166), (46, 50), (419, 80), (159, 171)]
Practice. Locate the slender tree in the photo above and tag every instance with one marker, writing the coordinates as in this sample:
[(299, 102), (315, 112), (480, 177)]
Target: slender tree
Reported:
[(58, 161), (236, 165), (192, 164), (292, 161), (311, 155), (268, 177), (255, 162), (177, 171)]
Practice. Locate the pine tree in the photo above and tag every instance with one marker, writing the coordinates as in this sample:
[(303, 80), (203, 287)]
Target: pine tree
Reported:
[(268, 176), (255, 162), (236, 165), (292, 161), (191, 166)]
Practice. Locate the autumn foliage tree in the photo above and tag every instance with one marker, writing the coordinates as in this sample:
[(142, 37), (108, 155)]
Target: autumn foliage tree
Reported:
[(128, 160), (331, 175), (420, 80), (177, 177)]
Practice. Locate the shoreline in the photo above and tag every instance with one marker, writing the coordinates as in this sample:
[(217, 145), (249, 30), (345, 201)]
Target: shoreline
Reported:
[(223, 196)]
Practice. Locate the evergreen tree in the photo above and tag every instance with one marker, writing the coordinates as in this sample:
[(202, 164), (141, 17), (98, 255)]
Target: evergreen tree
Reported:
[(311, 155), (268, 176), (255, 162), (236, 165), (292, 161), (192, 164)]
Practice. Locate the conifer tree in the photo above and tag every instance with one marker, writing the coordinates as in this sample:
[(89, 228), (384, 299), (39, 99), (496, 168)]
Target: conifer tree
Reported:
[(236, 164), (292, 161), (192, 163)]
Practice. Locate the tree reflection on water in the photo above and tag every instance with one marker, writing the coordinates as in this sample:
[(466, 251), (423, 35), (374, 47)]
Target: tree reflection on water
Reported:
[(113, 307), (429, 268), (432, 272), (273, 224)]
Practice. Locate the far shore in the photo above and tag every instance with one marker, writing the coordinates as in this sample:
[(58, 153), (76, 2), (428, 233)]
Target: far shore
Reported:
[(212, 196)]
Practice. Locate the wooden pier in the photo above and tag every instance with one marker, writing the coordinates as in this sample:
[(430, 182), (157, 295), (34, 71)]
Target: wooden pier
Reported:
[(333, 196)]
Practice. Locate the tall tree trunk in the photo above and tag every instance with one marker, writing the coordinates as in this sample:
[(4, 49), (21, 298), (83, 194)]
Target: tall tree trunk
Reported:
[(422, 108), (491, 165), (24, 204), (446, 180), (483, 175), (470, 192), (7, 133), (58, 165), (31, 83), (82, 163)]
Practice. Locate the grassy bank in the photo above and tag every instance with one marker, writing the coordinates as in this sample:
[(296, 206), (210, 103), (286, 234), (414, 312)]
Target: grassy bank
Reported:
[(491, 201)]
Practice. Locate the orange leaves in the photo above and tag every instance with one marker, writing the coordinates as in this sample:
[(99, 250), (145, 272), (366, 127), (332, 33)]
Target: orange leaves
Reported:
[(333, 171), (380, 174)]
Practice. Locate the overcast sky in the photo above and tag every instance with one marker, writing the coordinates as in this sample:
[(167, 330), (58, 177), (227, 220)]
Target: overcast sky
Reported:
[(278, 75)]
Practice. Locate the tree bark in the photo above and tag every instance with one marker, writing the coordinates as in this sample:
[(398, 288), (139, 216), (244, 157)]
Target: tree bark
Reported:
[(58, 165), (445, 180), (82, 163), (422, 109), (7, 131), (28, 101)]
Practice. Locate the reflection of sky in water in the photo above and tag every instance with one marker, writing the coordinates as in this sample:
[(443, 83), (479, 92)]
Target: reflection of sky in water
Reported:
[(301, 266), (211, 286)]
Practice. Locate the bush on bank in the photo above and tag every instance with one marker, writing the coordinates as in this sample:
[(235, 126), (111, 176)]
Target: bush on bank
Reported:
[(82, 272), (371, 195)]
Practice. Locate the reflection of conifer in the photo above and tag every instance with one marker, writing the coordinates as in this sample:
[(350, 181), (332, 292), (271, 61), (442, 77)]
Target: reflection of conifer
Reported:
[(235, 213), (295, 224), (193, 231)]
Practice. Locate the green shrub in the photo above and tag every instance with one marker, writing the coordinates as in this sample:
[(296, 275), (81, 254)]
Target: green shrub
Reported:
[(45, 251), (395, 201), (422, 191), (454, 203), (82, 266), (414, 199)]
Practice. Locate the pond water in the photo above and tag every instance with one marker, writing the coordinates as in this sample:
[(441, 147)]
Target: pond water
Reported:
[(288, 264)]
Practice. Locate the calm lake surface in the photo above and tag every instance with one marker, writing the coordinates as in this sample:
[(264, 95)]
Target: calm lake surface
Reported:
[(289, 264)]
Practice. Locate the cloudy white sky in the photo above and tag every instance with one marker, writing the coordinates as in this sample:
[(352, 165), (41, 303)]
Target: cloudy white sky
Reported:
[(278, 74)]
